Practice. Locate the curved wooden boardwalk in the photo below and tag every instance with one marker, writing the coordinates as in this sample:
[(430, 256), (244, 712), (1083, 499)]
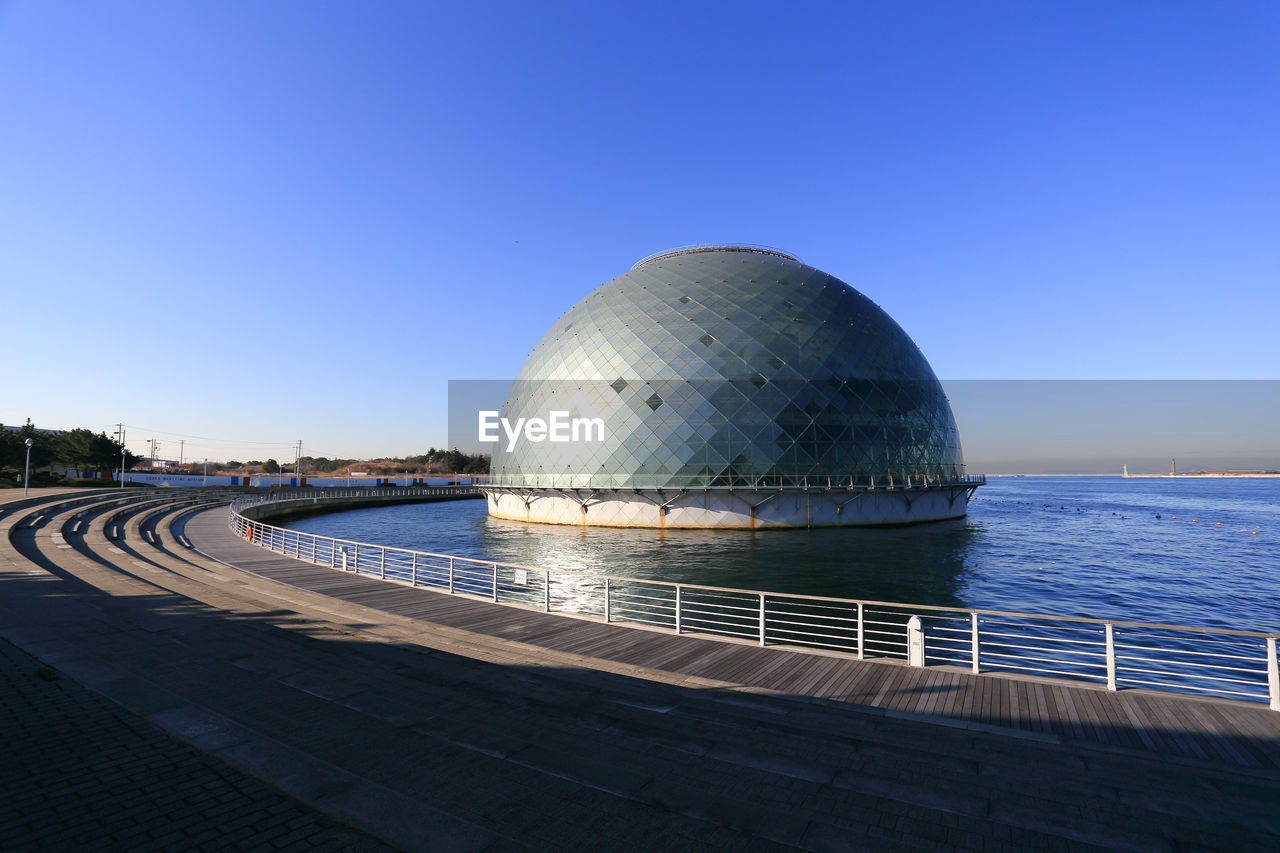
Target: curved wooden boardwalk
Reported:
[(438, 722)]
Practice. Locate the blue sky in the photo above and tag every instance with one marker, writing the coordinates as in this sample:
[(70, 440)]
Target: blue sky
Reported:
[(243, 224)]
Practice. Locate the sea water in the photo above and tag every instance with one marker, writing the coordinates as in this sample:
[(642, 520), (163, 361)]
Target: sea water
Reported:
[(1186, 551)]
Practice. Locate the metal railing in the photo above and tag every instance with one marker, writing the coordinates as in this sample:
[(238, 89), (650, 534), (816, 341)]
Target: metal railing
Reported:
[(698, 248), (889, 480), (313, 494), (1205, 661)]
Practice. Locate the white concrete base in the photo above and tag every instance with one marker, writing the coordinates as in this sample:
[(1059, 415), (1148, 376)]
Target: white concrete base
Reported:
[(730, 508)]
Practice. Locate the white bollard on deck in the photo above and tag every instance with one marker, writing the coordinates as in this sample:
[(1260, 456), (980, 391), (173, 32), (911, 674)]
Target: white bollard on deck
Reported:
[(915, 642)]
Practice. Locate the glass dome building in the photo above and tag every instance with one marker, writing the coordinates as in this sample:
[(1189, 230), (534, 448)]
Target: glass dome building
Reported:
[(728, 386)]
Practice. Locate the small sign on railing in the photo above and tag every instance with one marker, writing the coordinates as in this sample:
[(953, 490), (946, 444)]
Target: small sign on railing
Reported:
[(522, 577)]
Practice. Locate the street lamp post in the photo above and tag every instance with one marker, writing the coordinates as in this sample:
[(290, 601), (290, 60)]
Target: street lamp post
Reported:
[(26, 470)]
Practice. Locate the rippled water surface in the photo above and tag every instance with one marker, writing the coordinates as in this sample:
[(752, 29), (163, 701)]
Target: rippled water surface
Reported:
[(1156, 550)]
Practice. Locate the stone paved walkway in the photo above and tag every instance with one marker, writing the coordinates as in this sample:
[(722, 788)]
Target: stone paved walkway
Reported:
[(78, 772)]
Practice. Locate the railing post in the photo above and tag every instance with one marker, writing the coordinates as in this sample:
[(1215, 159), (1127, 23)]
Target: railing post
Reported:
[(762, 620), (1273, 674), (382, 563), (973, 638), (861, 655), (356, 569), (608, 610), (495, 583), (546, 592), (451, 575), (413, 570), (678, 626), (1111, 658)]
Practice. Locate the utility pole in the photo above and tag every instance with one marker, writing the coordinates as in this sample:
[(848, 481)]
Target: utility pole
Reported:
[(182, 444), (297, 462), (120, 433)]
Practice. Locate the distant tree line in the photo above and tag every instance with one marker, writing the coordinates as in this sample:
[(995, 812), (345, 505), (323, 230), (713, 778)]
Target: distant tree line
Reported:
[(449, 461), (84, 450), (432, 462)]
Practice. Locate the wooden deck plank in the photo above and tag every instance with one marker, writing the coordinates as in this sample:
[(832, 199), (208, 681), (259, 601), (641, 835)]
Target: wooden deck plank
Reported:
[(1259, 741), (1003, 694), (777, 676), (831, 679), (945, 695), (1119, 729), (929, 695), (1213, 732), (1137, 722), (817, 673), (747, 660), (925, 691), (1195, 741), (1207, 732), (1017, 703), (1031, 706), (886, 687), (986, 701), (907, 688), (858, 689), (1062, 713), (1070, 715), (967, 701), (1088, 712), (770, 671), (1176, 739), (703, 664), (773, 671), (799, 672), (1110, 719), (997, 705), (1095, 711), (738, 659), (838, 679), (950, 700)]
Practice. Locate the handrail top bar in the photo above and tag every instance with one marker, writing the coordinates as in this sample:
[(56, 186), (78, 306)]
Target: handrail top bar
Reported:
[(966, 611), (964, 481)]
